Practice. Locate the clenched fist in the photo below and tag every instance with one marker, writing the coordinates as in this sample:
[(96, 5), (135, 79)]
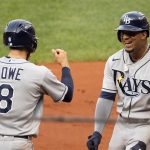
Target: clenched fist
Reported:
[(61, 57)]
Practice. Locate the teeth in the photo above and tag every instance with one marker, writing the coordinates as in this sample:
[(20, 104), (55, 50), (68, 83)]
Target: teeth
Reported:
[(128, 43)]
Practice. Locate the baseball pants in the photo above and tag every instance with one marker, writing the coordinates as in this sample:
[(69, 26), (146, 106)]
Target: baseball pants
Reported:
[(15, 143), (127, 133)]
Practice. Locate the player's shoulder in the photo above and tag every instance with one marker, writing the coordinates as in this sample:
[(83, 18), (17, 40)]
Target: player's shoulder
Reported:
[(26, 65), (115, 59), (38, 68), (118, 56)]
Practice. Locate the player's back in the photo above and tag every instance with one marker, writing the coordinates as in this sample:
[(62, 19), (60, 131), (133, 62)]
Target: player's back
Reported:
[(20, 91)]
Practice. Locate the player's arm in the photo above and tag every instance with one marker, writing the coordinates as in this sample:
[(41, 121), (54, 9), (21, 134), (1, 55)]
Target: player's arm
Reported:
[(102, 113), (103, 107), (103, 110), (67, 80), (61, 58)]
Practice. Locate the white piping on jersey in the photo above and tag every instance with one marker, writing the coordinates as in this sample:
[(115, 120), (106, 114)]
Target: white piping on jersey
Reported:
[(126, 70), (145, 52)]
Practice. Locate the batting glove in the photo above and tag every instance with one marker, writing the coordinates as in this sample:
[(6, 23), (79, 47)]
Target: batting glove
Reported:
[(94, 140)]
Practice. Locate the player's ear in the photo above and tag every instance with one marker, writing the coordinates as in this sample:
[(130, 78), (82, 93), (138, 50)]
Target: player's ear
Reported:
[(144, 34)]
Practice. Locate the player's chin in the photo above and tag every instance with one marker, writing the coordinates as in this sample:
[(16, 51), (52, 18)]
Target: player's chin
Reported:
[(129, 49)]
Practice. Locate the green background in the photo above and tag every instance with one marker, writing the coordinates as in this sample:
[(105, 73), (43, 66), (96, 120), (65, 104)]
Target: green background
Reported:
[(84, 28)]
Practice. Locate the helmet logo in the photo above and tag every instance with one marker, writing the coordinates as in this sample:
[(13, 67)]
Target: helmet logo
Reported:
[(126, 19)]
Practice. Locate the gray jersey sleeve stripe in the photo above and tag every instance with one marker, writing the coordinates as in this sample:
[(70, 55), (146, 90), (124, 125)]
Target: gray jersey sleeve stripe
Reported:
[(108, 95), (113, 91), (63, 95), (53, 87)]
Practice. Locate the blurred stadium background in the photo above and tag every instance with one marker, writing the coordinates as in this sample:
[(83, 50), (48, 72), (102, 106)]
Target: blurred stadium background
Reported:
[(84, 28)]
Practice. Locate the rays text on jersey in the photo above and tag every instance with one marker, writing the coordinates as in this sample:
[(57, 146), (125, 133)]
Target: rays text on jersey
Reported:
[(131, 86), (11, 73)]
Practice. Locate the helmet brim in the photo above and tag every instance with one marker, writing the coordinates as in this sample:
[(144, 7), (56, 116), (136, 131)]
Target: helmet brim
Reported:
[(128, 28)]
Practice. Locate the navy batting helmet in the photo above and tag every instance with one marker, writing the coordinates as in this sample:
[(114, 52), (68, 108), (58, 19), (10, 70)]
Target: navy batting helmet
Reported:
[(133, 21), (20, 34)]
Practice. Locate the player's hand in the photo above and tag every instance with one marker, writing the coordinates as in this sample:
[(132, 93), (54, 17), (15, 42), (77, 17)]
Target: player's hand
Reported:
[(61, 57), (93, 141)]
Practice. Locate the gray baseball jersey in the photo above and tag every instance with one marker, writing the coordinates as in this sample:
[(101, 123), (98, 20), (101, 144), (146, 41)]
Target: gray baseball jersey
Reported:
[(22, 86), (131, 81)]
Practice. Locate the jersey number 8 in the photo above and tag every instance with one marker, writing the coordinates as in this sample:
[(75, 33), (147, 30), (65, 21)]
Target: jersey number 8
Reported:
[(6, 93)]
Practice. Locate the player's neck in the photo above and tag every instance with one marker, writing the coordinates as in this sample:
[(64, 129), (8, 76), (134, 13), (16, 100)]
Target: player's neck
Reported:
[(139, 54), (18, 54)]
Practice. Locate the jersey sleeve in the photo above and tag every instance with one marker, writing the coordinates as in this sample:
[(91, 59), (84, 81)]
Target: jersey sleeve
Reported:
[(102, 114), (108, 80), (68, 81), (53, 87)]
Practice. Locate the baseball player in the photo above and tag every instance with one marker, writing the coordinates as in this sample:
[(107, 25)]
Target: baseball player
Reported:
[(126, 74), (23, 84)]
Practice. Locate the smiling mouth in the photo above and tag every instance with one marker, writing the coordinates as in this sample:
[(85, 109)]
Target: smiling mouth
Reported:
[(128, 44)]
